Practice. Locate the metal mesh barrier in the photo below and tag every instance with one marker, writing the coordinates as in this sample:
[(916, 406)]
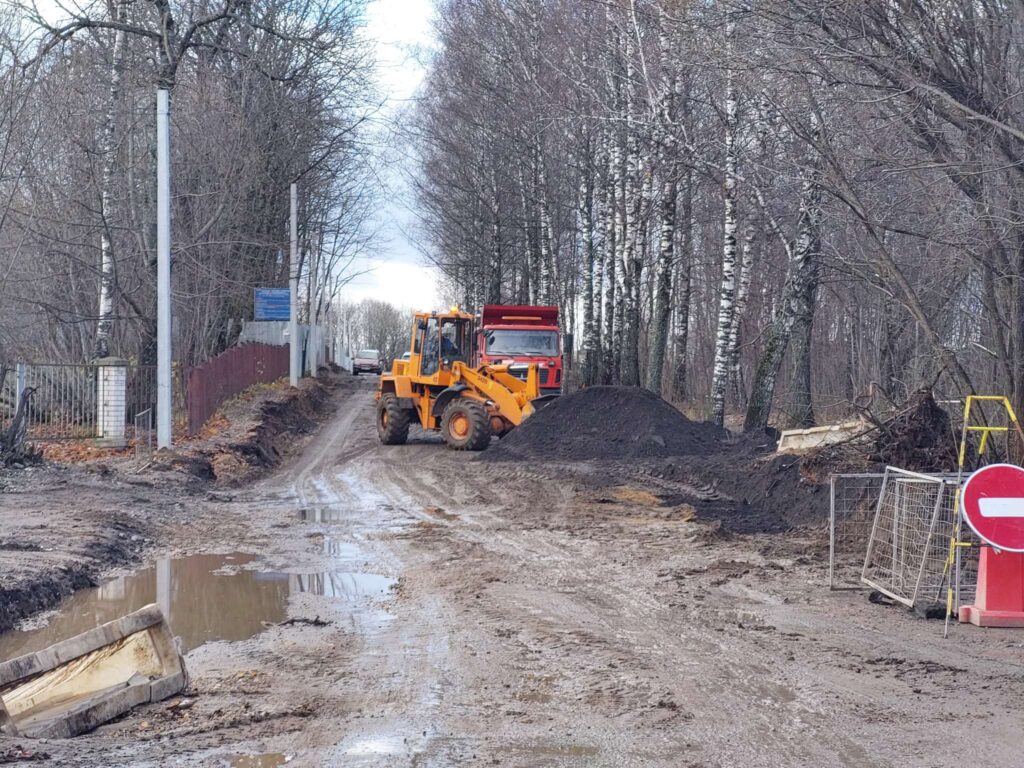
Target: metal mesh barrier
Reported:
[(908, 547), (900, 545), (853, 500), (892, 532)]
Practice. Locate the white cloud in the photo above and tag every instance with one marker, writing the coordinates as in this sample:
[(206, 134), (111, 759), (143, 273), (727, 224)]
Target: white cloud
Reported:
[(400, 29), (405, 285)]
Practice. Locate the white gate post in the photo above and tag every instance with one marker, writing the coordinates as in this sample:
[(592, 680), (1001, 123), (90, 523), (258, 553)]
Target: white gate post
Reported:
[(111, 402)]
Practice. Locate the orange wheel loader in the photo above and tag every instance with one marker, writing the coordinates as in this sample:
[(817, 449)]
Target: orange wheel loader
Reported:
[(439, 388)]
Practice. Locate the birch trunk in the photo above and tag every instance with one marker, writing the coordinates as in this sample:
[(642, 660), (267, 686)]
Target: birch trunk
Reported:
[(545, 290), (737, 392), (598, 285), (797, 303), (727, 294), (663, 282), (610, 260), (682, 297), (800, 411), (105, 314), (532, 251), (621, 287), (632, 264), (586, 216), (495, 271)]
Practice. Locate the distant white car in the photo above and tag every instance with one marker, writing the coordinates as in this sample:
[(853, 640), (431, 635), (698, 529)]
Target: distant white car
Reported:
[(406, 355)]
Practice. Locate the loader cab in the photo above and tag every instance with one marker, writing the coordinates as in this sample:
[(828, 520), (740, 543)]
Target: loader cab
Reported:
[(440, 340)]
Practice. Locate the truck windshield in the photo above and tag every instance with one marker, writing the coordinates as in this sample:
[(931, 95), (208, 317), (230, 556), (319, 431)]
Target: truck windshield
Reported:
[(525, 343)]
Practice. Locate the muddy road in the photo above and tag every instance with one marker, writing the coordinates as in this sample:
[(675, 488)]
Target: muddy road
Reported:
[(409, 606)]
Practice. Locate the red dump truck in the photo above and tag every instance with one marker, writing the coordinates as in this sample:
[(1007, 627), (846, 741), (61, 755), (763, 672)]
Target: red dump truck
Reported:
[(518, 334)]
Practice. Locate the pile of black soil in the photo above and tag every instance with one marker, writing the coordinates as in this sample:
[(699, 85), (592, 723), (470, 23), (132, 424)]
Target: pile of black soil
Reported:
[(736, 480), (761, 494), (608, 423)]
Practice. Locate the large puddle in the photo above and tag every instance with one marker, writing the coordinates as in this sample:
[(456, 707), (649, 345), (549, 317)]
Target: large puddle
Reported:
[(204, 597)]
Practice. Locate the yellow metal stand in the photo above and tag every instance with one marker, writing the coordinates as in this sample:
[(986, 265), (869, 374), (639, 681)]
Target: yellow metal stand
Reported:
[(955, 544)]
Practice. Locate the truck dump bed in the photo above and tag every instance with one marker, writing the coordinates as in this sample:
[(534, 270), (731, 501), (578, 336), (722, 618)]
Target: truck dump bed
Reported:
[(517, 314)]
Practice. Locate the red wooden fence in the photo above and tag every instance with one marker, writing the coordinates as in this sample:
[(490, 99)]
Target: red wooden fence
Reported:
[(229, 373)]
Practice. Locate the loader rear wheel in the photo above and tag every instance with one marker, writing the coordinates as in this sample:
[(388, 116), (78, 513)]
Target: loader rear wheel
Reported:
[(392, 421), (465, 425)]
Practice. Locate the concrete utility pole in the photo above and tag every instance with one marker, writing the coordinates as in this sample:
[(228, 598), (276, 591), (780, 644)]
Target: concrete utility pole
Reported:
[(163, 270), (294, 360)]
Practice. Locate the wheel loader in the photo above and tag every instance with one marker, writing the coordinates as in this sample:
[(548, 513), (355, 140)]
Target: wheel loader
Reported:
[(438, 387)]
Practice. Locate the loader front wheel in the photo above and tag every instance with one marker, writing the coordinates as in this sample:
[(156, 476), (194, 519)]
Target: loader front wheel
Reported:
[(392, 421), (465, 425)]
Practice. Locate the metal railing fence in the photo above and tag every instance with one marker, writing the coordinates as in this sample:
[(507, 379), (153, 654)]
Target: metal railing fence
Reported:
[(68, 403), (227, 374)]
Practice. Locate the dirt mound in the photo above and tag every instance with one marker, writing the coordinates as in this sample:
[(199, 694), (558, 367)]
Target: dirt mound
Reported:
[(761, 494), (608, 423), (121, 541), (251, 432), (273, 429)]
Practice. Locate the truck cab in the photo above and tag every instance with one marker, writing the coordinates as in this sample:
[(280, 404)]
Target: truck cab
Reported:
[(516, 335)]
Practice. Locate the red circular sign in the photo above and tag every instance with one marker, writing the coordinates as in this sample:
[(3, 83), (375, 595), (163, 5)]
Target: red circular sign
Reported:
[(992, 502)]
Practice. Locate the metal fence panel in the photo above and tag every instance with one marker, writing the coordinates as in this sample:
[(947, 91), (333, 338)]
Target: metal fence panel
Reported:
[(69, 402), (908, 546), (62, 401), (853, 499), (229, 373)]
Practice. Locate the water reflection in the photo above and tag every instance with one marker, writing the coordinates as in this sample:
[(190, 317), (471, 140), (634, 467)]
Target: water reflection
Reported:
[(204, 597), (346, 585)]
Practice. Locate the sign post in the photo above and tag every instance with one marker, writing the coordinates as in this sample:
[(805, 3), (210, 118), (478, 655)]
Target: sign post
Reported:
[(992, 502)]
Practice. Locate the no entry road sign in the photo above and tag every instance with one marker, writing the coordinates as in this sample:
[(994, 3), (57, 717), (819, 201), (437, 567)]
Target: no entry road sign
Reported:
[(992, 502)]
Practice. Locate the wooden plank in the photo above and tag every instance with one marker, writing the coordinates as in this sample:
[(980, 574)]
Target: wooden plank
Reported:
[(73, 686), (79, 645)]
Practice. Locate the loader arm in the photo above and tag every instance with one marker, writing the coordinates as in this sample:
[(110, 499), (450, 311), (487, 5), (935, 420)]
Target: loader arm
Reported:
[(510, 395)]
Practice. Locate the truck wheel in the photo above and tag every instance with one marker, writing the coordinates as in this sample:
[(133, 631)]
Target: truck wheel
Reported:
[(392, 421), (465, 425)]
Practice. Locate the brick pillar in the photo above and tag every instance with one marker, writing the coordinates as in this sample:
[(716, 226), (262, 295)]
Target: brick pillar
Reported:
[(111, 402)]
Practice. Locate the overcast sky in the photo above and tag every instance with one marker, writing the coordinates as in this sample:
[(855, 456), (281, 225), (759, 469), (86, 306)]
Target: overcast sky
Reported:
[(397, 272)]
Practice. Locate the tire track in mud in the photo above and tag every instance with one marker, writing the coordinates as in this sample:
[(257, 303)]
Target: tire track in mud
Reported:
[(399, 668), (605, 616), (589, 616)]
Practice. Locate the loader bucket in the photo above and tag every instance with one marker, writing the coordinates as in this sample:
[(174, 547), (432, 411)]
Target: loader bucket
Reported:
[(77, 684)]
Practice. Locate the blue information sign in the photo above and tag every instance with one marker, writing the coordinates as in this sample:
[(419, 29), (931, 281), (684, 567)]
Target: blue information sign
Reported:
[(272, 304)]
